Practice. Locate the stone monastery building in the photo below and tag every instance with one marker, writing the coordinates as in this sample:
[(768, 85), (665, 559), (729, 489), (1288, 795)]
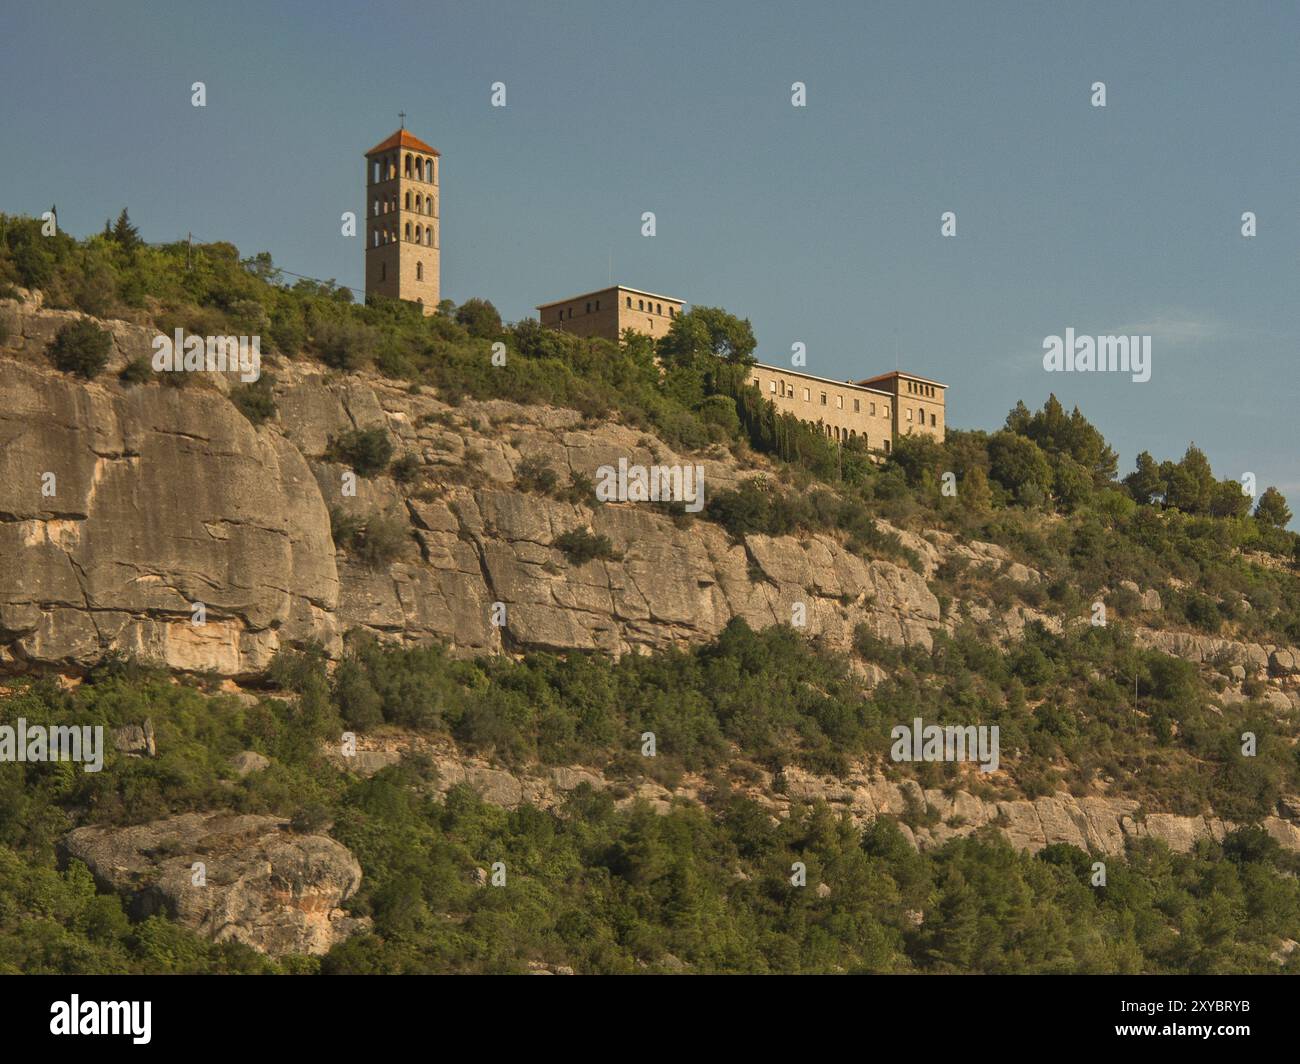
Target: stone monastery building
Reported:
[(403, 262), (877, 410)]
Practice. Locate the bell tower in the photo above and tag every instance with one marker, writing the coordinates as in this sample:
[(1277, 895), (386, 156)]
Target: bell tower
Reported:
[(402, 248)]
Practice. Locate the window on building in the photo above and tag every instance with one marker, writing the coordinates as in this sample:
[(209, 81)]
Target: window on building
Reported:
[(672, 313), (659, 308), (629, 302), (886, 414), (408, 166), (589, 306), (640, 304), (823, 398), (886, 447), (857, 406), (839, 402), (934, 421), (772, 388), (873, 409), (807, 395), (383, 271), (428, 237), (598, 304), (909, 414), (419, 271), (408, 230), (428, 170)]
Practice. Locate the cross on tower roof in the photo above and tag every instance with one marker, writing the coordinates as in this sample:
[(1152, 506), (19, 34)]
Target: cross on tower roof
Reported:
[(402, 116)]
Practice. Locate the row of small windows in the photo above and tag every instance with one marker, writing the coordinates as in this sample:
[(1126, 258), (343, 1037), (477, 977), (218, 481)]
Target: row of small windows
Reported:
[(920, 416), (652, 307), (840, 435), (917, 388), (421, 234), (422, 204), (562, 315), (416, 167), (594, 305), (419, 273), (787, 391)]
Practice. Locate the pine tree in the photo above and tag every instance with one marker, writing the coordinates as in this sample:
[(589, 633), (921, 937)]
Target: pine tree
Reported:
[(125, 233), (1272, 509)]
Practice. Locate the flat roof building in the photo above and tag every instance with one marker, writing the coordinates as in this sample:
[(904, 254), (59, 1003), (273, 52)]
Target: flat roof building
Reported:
[(609, 311)]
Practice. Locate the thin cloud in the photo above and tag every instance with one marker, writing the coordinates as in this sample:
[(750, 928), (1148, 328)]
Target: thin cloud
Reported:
[(1171, 329)]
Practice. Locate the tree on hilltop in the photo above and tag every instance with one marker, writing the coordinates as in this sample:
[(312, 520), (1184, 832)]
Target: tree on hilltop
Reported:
[(123, 232), (1272, 509), (480, 318)]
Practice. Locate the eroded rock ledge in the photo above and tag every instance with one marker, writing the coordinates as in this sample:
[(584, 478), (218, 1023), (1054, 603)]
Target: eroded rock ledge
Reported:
[(275, 890), (1096, 824)]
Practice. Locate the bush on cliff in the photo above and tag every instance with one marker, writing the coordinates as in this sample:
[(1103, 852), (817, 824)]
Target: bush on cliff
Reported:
[(82, 348)]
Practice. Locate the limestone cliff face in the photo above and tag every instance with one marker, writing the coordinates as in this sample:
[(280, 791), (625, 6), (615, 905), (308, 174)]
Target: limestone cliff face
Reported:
[(164, 497)]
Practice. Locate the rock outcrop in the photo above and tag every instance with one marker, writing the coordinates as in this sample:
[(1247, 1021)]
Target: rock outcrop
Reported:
[(1097, 824), (261, 884), (123, 509)]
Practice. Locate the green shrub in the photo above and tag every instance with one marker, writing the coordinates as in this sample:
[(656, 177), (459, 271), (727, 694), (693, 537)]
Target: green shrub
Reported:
[(82, 348), (345, 345), (256, 400), (366, 451), (137, 371), (406, 470), (534, 473), (374, 540), (581, 545)]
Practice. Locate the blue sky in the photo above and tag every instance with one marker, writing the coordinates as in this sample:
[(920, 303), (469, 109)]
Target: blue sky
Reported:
[(820, 224)]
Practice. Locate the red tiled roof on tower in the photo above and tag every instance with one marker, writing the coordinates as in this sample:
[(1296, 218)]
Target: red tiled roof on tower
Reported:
[(403, 139)]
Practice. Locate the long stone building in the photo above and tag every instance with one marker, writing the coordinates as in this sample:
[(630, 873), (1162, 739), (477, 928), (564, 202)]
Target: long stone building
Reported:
[(877, 410)]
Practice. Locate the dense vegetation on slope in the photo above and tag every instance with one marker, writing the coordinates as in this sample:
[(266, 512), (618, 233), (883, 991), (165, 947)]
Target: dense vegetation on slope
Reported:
[(606, 889), (1043, 486)]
